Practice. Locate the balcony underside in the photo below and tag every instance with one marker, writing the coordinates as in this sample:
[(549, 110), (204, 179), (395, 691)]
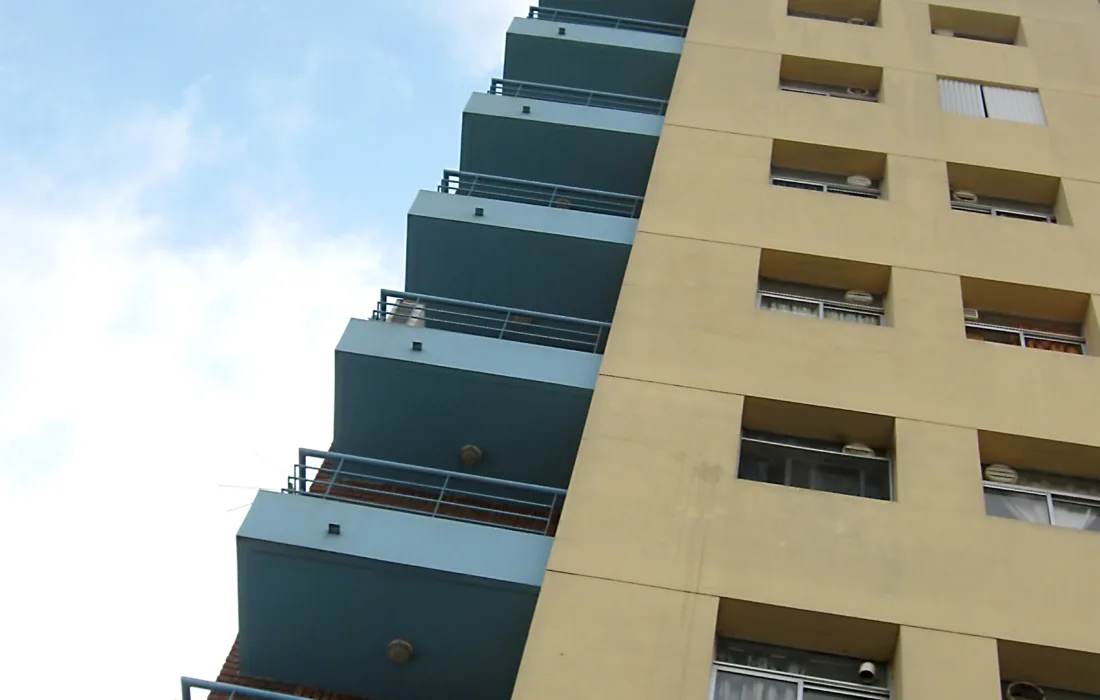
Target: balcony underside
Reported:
[(592, 58), (523, 405), (668, 11), (600, 149), (545, 259), (318, 609)]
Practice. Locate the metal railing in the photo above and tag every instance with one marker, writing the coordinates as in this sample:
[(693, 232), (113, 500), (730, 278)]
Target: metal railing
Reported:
[(508, 189), (575, 96), (229, 691), (1024, 337), (491, 321), (577, 17), (436, 493)]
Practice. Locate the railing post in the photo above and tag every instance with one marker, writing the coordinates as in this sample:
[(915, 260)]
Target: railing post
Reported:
[(303, 476), (504, 326), (442, 492), (332, 477), (185, 689), (550, 515), (599, 337)]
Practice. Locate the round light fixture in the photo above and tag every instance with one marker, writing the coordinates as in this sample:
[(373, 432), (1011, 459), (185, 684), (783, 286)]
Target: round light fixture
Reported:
[(399, 651), (470, 455)]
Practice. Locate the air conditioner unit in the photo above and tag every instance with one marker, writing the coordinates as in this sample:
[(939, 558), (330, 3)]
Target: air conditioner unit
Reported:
[(1000, 474), (859, 180), (857, 20), (858, 449), (1024, 691), (964, 196), (858, 296), (971, 314), (407, 312)]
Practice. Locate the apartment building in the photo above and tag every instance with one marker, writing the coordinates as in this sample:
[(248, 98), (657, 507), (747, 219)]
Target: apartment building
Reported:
[(748, 354)]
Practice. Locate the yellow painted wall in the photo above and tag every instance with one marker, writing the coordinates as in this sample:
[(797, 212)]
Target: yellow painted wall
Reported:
[(657, 530)]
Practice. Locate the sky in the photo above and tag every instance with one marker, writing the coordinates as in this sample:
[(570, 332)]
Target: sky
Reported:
[(195, 197)]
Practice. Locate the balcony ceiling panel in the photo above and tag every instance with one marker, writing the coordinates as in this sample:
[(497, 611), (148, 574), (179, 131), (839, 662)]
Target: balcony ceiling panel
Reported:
[(668, 11), (414, 411), (599, 149), (592, 58), (318, 610), (517, 255)]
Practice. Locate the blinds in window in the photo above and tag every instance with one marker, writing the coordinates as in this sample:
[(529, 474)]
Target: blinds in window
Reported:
[(959, 97), (1011, 104)]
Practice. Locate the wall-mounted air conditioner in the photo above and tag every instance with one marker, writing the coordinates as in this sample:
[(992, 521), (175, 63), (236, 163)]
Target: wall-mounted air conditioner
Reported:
[(406, 312)]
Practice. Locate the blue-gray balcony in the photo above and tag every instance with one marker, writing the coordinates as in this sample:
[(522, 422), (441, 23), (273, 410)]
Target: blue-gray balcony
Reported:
[(666, 12), (523, 244), (578, 138), (391, 581), (594, 52), (493, 391)]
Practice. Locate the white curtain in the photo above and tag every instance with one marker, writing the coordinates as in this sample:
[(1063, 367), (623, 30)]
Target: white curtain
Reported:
[(1032, 509), (1076, 516), (852, 316), (734, 686), (791, 306)]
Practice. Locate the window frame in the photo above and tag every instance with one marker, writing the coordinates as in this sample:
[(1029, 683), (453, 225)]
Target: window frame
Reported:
[(1015, 210), (826, 90), (824, 685), (886, 462), (1025, 335), (822, 182), (838, 18), (878, 312), (1050, 495), (998, 93)]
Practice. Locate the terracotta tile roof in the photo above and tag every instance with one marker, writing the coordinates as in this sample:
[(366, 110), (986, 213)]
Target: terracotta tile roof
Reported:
[(231, 674)]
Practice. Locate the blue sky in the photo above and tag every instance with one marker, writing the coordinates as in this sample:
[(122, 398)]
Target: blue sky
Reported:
[(195, 196)]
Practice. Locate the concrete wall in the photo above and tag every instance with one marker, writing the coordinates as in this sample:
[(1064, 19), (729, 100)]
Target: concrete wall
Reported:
[(660, 546)]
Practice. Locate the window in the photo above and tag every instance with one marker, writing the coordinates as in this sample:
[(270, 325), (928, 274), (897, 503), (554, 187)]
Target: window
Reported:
[(818, 465), (857, 12), (811, 166), (854, 306), (829, 78), (971, 24), (851, 185), (1038, 497), (963, 200), (1021, 690), (1006, 193), (977, 100), (1007, 329), (753, 671)]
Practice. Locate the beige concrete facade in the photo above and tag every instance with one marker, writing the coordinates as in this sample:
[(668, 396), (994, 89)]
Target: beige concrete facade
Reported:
[(661, 547)]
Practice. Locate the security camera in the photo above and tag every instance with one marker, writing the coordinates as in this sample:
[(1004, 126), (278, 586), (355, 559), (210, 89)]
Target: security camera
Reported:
[(867, 672)]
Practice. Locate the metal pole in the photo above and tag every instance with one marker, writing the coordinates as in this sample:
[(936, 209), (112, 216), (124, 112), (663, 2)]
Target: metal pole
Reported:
[(442, 491)]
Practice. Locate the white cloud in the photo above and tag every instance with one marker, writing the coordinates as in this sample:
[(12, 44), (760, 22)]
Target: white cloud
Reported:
[(475, 28), (134, 379)]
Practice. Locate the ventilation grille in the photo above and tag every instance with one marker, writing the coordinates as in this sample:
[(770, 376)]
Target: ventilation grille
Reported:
[(1001, 474), (858, 449)]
